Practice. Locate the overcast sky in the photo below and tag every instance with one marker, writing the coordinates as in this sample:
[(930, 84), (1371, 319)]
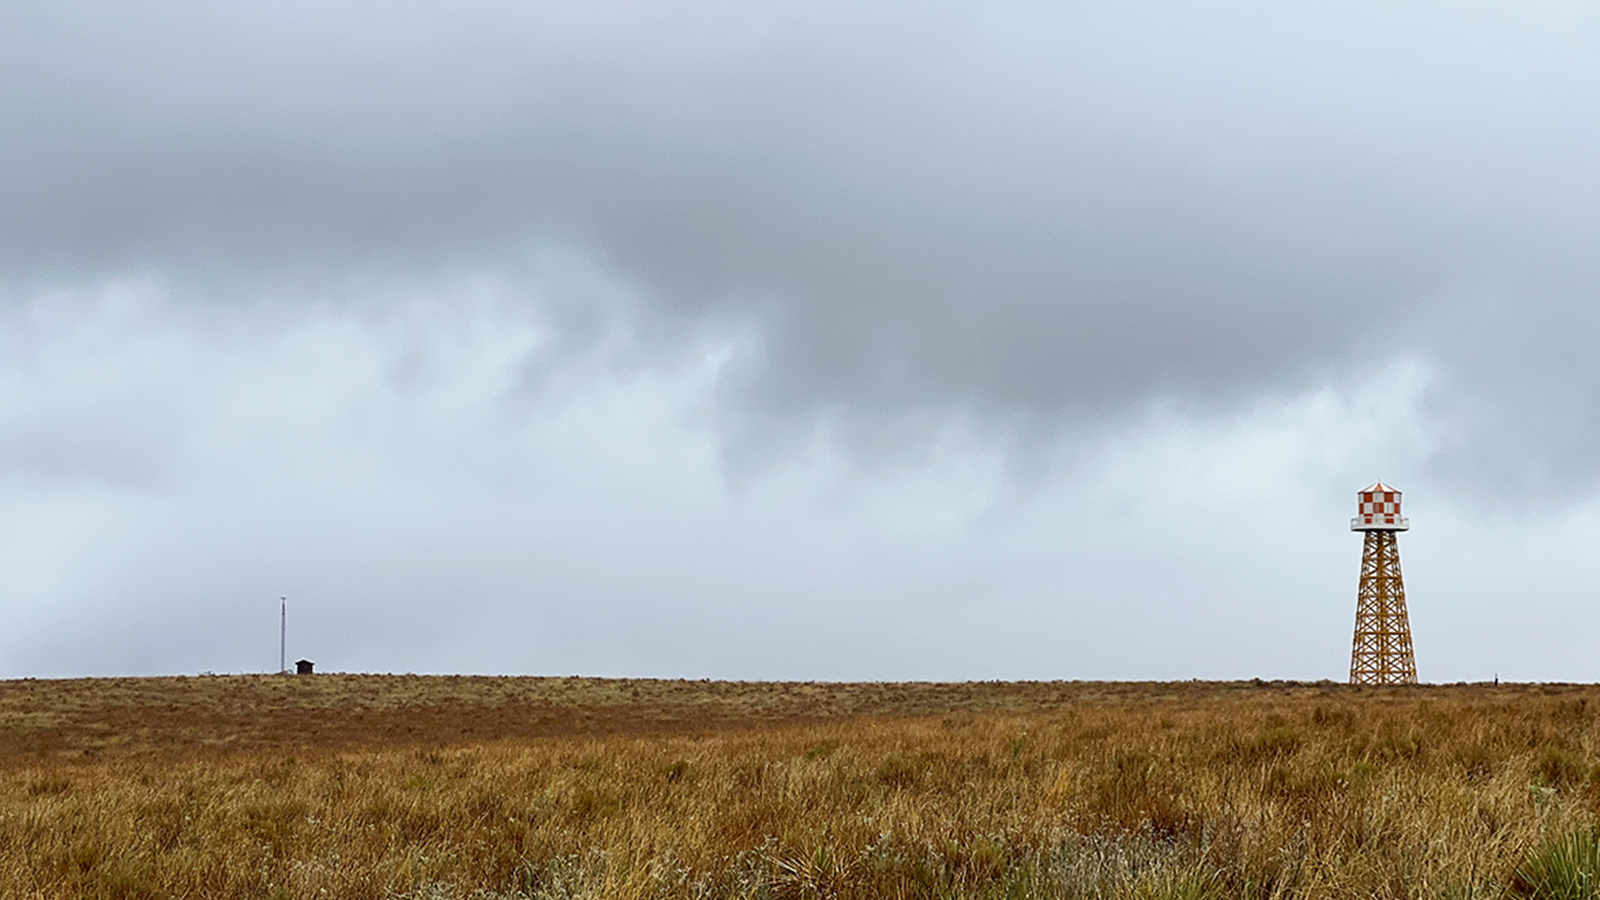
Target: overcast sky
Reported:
[(802, 340)]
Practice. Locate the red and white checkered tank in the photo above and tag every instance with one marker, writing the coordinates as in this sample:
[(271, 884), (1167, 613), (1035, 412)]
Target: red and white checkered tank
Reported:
[(1379, 510)]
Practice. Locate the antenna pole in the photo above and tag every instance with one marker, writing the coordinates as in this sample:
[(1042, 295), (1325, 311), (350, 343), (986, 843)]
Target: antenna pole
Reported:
[(283, 635)]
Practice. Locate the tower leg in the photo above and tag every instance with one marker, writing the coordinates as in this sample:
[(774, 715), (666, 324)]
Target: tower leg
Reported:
[(1381, 652)]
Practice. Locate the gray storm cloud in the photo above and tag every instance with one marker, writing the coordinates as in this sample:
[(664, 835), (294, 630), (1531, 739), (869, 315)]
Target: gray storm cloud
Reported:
[(1036, 217)]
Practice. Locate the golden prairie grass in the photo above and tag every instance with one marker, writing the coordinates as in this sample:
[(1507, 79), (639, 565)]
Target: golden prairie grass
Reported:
[(562, 788)]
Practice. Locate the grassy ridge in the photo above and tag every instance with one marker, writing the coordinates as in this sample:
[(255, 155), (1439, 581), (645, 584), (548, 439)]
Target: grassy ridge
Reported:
[(592, 788)]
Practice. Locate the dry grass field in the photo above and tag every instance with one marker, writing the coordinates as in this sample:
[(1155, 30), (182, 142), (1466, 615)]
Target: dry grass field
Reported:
[(347, 786)]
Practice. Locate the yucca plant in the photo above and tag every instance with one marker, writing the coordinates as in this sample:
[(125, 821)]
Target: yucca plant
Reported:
[(1564, 869)]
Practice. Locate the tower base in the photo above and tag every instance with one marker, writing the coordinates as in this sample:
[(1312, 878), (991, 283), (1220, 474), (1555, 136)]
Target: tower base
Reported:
[(1381, 652)]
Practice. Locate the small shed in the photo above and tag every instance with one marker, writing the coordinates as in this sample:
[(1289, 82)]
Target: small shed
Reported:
[(303, 666)]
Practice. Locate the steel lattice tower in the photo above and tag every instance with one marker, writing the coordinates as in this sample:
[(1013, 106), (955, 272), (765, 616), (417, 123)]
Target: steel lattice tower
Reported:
[(1381, 652)]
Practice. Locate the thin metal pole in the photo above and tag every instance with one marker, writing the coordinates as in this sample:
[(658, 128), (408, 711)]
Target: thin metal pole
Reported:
[(283, 635)]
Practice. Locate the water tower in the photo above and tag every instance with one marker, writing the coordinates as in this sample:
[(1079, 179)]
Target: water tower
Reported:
[(1381, 652)]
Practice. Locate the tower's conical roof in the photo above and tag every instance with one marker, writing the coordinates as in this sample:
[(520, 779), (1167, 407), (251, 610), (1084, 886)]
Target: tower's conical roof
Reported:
[(1379, 486)]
